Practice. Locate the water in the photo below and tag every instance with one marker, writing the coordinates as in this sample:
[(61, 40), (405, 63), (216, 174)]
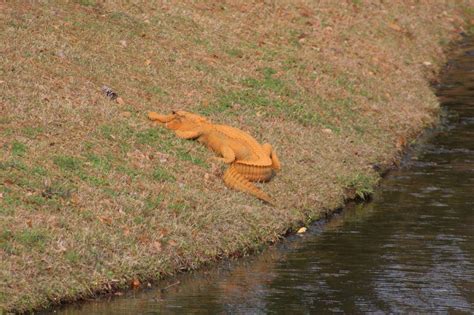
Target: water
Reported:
[(410, 250)]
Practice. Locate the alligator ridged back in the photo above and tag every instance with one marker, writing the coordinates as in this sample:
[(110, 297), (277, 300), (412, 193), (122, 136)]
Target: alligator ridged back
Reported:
[(254, 173)]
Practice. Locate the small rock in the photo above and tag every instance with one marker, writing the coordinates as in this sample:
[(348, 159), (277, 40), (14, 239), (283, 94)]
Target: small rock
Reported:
[(427, 63), (302, 230), (326, 130), (123, 43), (109, 92), (61, 54)]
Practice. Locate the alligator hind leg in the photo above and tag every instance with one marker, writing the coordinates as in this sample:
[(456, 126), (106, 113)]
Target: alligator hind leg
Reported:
[(272, 154), (228, 155)]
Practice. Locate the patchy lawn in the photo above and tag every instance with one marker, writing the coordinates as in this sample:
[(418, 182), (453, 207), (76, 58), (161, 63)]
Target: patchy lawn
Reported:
[(92, 195)]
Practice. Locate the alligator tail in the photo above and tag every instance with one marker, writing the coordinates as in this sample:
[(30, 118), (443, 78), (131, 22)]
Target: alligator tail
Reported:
[(233, 179)]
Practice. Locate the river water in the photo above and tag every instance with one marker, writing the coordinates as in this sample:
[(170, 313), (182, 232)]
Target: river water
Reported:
[(411, 249)]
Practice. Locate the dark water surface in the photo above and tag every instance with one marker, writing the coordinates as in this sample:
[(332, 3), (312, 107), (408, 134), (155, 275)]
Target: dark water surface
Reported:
[(409, 250)]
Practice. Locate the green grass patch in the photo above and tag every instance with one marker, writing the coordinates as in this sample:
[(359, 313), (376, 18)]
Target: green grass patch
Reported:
[(149, 136), (55, 190), (162, 175), (67, 163), (94, 180), (363, 184), (129, 171), (18, 148), (184, 155), (87, 3), (153, 202), (178, 208), (235, 52), (39, 170), (13, 164), (32, 132), (72, 256), (6, 238), (156, 90), (32, 237), (101, 163), (138, 219), (272, 95), (36, 200), (117, 132)]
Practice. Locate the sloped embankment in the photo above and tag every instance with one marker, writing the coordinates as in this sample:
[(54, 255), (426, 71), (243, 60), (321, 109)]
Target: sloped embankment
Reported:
[(93, 196)]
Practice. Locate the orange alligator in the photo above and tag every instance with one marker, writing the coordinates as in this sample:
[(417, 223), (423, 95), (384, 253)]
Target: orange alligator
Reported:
[(249, 161)]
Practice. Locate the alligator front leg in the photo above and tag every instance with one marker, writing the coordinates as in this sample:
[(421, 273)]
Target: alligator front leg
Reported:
[(228, 155), (187, 134)]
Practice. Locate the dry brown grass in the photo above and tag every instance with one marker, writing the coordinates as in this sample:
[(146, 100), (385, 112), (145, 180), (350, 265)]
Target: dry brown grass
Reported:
[(92, 195)]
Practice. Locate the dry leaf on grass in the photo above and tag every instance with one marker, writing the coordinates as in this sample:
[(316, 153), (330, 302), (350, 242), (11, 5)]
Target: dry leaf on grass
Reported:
[(120, 100), (135, 283), (395, 27), (126, 231), (105, 220), (156, 245), (401, 142), (302, 230), (172, 243)]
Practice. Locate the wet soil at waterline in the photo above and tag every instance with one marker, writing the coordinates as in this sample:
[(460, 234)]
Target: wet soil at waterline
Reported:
[(409, 250)]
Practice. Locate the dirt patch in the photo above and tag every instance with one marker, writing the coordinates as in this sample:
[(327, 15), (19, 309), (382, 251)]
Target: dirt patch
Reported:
[(93, 196)]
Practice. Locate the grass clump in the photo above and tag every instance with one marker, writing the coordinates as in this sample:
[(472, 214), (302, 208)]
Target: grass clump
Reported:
[(32, 238), (362, 185), (160, 174), (67, 163), (18, 149)]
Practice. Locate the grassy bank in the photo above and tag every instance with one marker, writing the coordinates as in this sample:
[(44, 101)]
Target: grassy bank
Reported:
[(93, 196)]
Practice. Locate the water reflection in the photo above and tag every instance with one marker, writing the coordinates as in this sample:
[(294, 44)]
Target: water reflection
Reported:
[(410, 250)]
